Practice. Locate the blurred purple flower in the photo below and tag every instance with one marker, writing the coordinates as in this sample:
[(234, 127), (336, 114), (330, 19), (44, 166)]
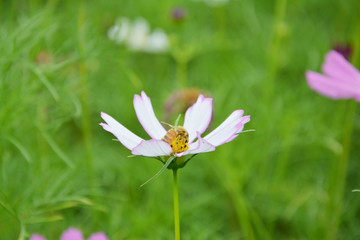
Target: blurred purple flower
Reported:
[(344, 49), (178, 14), (73, 234), (340, 80)]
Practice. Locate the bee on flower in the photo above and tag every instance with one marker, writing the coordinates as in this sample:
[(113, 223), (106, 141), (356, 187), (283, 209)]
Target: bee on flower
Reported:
[(179, 140)]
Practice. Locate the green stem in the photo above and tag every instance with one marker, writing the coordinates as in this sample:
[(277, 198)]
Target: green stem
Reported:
[(176, 206), (181, 72), (220, 21), (279, 32), (22, 231), (339, 175), (338, 179), (84, 97)]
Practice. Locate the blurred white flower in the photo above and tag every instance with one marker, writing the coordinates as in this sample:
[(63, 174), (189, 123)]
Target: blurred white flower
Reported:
[(120, 31), (139, 34), (138, 37), (157, 42)]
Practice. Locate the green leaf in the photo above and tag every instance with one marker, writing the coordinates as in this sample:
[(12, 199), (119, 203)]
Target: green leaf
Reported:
[(161, 170), (21, 148), (41, 76), (56, 148), (44, 219)]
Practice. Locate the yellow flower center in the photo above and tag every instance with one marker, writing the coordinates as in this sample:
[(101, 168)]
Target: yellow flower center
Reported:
[(178, 139)]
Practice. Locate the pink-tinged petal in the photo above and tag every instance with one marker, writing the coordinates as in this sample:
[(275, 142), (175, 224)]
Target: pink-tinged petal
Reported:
[(98, 236), (244, 120), (336, 66), (198, 117), (145, 113), (230, 127), (152, 148), (126, 137), (72, 234), (37, 237), (200, 146), (330, 87)]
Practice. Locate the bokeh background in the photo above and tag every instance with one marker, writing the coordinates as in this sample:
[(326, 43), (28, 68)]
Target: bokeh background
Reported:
[(290, 179)]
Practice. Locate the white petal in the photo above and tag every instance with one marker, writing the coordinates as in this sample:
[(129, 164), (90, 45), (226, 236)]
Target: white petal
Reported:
[(198, 117), (120, 31), (244, 120), (139, 34), (228, 129), (146, 116), (126, 137), (112, 32), (200, 146), (157, 42), (152, 148)]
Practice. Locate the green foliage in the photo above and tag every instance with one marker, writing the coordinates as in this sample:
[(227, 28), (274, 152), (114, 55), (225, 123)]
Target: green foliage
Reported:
[(59, 168)]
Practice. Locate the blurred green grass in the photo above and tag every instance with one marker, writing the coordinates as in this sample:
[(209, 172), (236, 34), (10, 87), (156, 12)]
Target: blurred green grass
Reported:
[(60, 169)]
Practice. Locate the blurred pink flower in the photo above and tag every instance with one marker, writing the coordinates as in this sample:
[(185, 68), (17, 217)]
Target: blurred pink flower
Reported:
[(73, 234), (37, 237), (98, 236), (197, 119), (340, 80)]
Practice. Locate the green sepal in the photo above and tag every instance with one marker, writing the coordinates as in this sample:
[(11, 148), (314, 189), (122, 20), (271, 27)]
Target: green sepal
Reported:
[(191, 157), (180, 162), (171, 158)]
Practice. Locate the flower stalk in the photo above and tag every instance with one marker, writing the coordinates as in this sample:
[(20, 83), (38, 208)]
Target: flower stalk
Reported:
[(338, 182), (176, 205), (340, 167)]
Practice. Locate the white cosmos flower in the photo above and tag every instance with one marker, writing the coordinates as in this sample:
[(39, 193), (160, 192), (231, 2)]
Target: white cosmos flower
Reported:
[(120, 31), (157, 42), (197, 119), (137, 36)]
